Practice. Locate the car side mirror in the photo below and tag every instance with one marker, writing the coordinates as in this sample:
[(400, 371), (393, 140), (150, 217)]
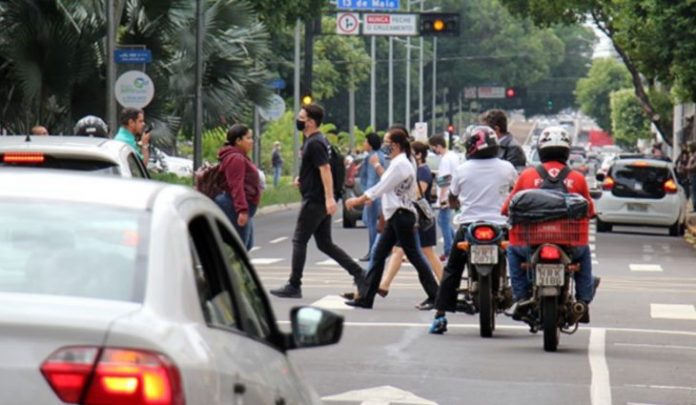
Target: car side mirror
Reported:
[(600, 177), (313, 327), (596, 194)]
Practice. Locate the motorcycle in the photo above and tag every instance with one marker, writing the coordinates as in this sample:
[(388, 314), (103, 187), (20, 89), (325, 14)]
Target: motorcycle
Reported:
[(487, 291)]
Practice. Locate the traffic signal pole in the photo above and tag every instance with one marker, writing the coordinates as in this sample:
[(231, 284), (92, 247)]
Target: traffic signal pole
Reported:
[(309, 55)]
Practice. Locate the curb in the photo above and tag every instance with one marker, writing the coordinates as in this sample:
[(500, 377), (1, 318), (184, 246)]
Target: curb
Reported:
[(276, 208)]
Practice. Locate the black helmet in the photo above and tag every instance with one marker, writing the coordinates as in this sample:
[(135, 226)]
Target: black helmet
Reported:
[(481, 143), (92, 126)]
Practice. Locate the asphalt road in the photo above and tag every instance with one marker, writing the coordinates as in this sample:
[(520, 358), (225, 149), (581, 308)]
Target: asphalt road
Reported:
[(640, 347)]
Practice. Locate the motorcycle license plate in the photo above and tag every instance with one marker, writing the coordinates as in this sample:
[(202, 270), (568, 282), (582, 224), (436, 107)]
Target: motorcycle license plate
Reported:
[(548, 275), (484, 254)]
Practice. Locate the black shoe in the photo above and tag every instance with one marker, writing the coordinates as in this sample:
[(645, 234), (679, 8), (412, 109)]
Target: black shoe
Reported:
[(426, 305), (464, 306), (359, 304), (349, 295), (365, 258), (287, 291), (595, 285)]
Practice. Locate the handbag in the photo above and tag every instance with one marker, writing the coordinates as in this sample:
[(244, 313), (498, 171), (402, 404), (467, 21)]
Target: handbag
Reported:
[(424, 211)]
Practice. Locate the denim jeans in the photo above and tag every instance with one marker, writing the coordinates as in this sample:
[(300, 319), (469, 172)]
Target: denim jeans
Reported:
[(246, 232), (444, 221), (692, 179), (521, 280), (370, 217), (276, 175)]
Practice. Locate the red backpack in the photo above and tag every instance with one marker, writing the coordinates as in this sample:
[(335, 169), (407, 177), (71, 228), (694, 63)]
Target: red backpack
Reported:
[(210, 180)]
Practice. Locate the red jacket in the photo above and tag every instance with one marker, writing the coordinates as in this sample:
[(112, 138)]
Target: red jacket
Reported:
[(529, 178), (242, 177)]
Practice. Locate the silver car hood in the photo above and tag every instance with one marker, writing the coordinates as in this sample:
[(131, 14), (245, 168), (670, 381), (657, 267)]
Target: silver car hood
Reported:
[(32, 327)]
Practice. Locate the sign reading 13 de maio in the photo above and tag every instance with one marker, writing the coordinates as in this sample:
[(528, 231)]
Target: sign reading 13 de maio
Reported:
[(134, 89)]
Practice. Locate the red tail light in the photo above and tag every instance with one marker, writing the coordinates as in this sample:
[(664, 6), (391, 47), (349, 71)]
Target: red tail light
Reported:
[(608, 183), (23, 157), (484, 233), (670, 187), (115, 376), (550, 253)]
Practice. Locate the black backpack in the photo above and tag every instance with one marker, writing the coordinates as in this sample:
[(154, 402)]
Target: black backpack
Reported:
[(553, 183), (338, 170)]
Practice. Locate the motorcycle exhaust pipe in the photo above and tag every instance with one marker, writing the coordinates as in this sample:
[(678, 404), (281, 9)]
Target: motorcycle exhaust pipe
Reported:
[(577, 310)]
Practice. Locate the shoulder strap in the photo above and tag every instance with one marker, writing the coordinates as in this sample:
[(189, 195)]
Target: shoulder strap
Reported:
[(562, 175)]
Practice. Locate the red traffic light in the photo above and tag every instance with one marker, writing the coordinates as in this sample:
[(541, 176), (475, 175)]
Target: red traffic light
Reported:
[(450, 128), (510, 92)]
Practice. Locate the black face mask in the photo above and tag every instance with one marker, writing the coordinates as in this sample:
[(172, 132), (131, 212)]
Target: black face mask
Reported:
[(300, 125)]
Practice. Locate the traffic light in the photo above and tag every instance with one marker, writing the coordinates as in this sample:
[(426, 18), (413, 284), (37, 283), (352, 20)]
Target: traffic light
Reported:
[(549, 104), (515, 92), (307, 99), (436, 24), (510, 92)]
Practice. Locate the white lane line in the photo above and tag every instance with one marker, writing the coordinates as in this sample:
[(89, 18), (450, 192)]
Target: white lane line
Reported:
[(661, 387), (332, 262), (331, 302), (254, 249), (338, 221), (659, 347), (671, 311), (278, 240), (600, 390), (592, 246), (595, 261), (645, 267), (262, 261), (594, 255), (592, 238)]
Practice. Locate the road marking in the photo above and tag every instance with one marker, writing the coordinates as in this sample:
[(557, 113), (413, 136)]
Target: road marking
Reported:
[(660, 387), (331, 302), (592, 238), (262, 261), (254, 249), (592, 246), (594, 255), (659, 347), (645, 267), (600, 390), (332, 262), (278, 240), (671, 311), (595, 262), (383, 395), (338, 221)]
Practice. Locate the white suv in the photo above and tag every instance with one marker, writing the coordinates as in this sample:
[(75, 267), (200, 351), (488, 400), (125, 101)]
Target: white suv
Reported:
[(641, 191)]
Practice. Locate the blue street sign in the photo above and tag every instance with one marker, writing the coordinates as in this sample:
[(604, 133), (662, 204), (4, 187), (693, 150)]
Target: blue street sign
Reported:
[(134, 56), (367, 4), (277, 84)]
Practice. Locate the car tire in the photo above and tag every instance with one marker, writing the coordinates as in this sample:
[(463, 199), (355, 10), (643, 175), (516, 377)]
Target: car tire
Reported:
[(603, 226), (678, 229)]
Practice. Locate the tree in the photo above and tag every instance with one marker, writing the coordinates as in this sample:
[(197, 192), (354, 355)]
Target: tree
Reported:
[(605, 76), (628, 123)]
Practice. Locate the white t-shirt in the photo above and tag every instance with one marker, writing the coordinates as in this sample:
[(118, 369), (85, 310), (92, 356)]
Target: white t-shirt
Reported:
[(482, 185), (396, 187), (448, 164)]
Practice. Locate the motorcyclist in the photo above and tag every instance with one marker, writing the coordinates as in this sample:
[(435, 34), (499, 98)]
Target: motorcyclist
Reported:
[(554, 149), (480, 185), (91, 125)]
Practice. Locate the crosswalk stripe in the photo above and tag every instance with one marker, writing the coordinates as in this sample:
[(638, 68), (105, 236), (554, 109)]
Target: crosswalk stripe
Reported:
[(254, 249), (332, 302), (278, 240), (672, 311), (261, 261), (645, 267)]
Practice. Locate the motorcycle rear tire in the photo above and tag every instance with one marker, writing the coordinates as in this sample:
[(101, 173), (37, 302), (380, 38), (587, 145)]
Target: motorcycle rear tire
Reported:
[(549, 313), (486, 307)]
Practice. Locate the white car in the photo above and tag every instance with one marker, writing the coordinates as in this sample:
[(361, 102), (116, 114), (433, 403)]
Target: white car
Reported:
[(171, 164), (137, 292), (96, 155), (641, 191)]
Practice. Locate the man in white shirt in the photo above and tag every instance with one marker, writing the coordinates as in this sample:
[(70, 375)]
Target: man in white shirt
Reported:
[(448, 164)]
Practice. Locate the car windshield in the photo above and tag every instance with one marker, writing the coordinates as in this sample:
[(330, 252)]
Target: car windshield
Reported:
[(64, 163), (639, 180), (70, 249)]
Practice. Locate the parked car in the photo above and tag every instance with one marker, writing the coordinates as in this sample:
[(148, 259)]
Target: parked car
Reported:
[(170, 164), (137, 292), (352, 188), (641, 191), (96, 155)]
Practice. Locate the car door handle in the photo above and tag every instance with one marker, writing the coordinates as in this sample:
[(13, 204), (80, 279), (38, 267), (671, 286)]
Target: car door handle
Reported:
[(239, 389)]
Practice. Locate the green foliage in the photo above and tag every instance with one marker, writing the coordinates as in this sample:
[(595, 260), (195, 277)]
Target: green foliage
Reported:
[(172, 178), (285, 193), (628, 123), (605, 76), (282, 131), (212, 141), (278, 14)]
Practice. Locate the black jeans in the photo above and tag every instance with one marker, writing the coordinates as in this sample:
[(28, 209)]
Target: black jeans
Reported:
[(452, 275), (400, 227), (313, 220)]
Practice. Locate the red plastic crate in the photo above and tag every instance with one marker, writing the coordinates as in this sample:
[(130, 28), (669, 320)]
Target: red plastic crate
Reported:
[(571, 232)]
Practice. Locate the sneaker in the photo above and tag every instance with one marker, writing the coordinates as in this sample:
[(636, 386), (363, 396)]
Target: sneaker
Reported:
[(439, 325), (287, 291), (358, 303), (426, 305)]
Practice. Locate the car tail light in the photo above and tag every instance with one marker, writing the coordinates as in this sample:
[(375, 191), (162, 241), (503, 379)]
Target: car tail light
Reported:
[(670, 187), (484, 233), (608, 183), (549, 252), (112, 376), (23, 157)]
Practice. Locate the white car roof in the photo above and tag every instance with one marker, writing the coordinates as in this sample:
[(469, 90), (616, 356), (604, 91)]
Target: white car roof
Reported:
[(82, 187), (64, 145)]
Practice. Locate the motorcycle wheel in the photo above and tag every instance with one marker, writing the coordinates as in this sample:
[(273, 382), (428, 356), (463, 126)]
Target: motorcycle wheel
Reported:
[(486, 307), (552, 333)]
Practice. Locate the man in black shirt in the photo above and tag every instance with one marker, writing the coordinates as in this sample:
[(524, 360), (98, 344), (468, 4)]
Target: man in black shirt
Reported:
[(318, 204)]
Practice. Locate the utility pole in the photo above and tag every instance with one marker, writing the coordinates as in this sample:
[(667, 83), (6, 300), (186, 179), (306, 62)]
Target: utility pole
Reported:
[(309, 55), (296, 101), (391, 81), (420, 75), (373, 83), (351, 115), (198, 119), (110, 67), (407, 120), (434, 113)]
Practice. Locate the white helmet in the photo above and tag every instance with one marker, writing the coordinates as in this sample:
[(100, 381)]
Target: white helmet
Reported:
[(554, 144)]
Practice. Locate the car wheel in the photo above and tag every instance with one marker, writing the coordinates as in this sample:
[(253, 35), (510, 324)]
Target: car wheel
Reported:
[(677, 229), (603, 226)]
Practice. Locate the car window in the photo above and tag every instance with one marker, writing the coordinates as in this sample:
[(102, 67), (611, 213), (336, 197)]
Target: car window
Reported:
[(77, 250), (212, 283), (135, 168), (639, 180), (253, 310)]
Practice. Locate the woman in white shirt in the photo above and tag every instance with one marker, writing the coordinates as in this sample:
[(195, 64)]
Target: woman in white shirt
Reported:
[(397, 188)]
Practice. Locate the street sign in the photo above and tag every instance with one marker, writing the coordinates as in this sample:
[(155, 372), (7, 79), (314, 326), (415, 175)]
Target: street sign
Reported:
[(134, 89), (368, 4), (133, 56), (347, 24), (491, 92), (470, 92), (420, 132), (274, 110), (277, 84), (390, 24)]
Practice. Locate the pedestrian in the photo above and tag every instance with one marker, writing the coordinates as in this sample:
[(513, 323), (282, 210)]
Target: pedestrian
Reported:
[(243, 193), (318, 204), (691, 172), (448, 164), (132, 122), (681, 165), (427, 238), (509, 148), (397, 187), (39, 130), (277, 163), (370, 171)]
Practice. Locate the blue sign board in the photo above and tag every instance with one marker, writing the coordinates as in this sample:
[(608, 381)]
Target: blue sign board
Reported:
[(134, 56), (277, 84), (368, 5)]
